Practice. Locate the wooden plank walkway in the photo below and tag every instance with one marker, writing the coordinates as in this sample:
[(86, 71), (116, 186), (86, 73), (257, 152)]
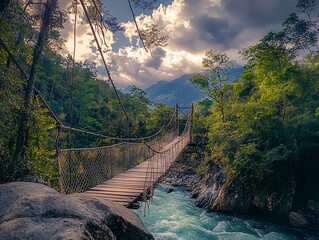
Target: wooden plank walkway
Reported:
[(128, 187)]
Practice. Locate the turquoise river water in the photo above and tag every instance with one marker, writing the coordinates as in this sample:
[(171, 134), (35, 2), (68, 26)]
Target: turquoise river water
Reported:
[(175, 216)]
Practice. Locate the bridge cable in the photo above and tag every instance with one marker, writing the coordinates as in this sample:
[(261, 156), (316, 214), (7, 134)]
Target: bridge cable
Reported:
[(137, 28), (103, 59), (72, 72), (58, 121)]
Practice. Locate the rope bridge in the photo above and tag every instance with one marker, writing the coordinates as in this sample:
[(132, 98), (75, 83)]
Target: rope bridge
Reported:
[(86, 169), (139, 162)]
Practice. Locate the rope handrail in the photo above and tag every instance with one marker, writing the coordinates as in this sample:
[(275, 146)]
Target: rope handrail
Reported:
[(59, 122), (140, 139), (84, 168)]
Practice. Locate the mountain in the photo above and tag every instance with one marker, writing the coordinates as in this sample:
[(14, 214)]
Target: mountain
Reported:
[(180, 91), (127, 89)]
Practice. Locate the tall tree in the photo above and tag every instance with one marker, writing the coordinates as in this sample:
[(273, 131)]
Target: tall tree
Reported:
[(29, 89), (217, 66)]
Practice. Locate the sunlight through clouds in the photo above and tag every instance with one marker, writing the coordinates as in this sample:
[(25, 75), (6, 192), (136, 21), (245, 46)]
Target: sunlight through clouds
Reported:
[(193, 27)]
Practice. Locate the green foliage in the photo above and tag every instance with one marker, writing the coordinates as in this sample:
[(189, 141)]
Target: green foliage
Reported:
[(40, 158), (216, 66), (160, 115), (270, 126)]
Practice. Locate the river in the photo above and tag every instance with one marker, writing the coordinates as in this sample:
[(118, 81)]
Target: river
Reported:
[(175, 216)]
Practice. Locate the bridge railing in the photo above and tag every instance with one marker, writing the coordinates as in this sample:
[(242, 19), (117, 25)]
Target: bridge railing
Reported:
[(83, 168), (161, 160)]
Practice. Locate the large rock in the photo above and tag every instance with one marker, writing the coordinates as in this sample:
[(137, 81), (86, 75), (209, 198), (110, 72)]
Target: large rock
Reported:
[(216, 192), (208, 189), (34, 211), (297, 220)]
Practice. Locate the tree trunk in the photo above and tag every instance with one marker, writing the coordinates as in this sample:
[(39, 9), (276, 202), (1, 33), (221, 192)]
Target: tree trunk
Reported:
[(25, 113)]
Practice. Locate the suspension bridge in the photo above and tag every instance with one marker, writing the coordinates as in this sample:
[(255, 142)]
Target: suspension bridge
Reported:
[(125, 172)]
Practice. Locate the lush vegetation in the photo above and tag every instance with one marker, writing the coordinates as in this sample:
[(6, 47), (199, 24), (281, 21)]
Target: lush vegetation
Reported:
[(264, 127), (75, 94)]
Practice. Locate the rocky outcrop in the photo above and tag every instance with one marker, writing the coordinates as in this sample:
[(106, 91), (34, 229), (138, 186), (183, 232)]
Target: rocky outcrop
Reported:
[(208, 189), (183, 171), (236, 197), (181, 175), (297, 220), (34, 211), (217, 193)]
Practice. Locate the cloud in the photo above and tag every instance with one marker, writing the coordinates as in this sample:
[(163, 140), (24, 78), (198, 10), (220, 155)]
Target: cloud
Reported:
[(156, 58), (260, 13), (84, 37), (193, 27)]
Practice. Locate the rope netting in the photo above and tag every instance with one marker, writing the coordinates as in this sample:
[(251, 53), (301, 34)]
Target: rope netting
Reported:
[(161, 160), (83, 168)]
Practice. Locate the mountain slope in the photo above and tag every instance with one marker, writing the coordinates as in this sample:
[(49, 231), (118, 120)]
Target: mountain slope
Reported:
[(179, 91)]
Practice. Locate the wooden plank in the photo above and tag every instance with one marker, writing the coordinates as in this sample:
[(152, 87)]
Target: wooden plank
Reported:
[(125, 185), (119, 184), (132, 176), (106, 193), (117, 189), (128, 199), (129, 179), (125, 202), (140, 171)]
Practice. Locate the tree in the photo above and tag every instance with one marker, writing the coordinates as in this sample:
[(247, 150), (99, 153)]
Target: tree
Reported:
[(269, 143), (29, 29), (217, 66), (160, 116), (153, 37), (29, 90)]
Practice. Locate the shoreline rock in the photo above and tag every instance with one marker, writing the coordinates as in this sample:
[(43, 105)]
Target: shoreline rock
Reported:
[(183, 172), (34, 211)]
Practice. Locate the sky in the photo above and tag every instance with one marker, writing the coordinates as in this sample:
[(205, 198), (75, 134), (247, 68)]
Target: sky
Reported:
[(193, 27)]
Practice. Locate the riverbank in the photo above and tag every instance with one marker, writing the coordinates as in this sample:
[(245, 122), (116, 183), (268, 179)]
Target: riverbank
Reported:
[(173, 216), (205, 191)]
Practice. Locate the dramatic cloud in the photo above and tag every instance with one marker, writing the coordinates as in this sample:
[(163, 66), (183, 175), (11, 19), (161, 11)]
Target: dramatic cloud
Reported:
[(157, 58), (193, 27), (259, 13)]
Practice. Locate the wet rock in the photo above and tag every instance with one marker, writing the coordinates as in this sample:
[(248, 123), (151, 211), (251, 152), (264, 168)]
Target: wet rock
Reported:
[(170, 190), (34, 211), (208, 189), (297, 220)]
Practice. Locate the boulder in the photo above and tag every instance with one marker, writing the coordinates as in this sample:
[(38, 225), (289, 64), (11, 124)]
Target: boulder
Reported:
[(297, 220), (170, 190), (35, 211)]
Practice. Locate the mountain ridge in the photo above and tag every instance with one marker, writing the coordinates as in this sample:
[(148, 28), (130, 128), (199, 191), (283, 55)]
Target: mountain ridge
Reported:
[(179, 90)]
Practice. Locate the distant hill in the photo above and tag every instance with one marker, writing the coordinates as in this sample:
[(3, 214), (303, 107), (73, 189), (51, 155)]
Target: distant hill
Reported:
[(179, 90), (127, 89)]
